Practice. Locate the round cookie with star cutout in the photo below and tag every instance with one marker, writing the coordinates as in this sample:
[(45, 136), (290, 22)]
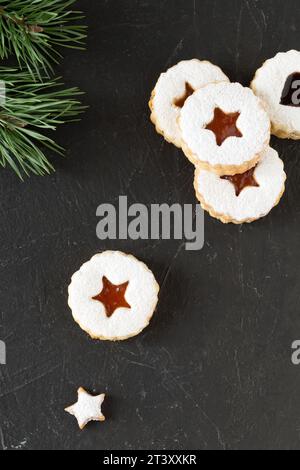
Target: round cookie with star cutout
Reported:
[(224, 128), (277, 83), (113, 296), (173, 88), (242, 197)]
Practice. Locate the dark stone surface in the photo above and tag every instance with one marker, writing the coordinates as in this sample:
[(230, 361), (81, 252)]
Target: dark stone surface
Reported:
[(213, 370)]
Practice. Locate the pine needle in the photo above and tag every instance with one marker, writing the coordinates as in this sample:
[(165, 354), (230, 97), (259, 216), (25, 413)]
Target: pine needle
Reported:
[(27, 109), (33, 30)]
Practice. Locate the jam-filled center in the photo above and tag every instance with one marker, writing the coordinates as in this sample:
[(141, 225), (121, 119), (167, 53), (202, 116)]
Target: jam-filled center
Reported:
[(291, 91), (179, 102), (224, 125), (112, 296), (242, 181)]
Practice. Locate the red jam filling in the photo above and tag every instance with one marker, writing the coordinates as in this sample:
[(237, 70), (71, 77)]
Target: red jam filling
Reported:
[(241, 181), (179, 102), (112, 296), (224, 125)]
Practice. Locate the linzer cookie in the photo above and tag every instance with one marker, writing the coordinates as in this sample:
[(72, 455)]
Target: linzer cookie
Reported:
[(224, 128), (277, 83), (173, 88), (242, 197), (113, 296)]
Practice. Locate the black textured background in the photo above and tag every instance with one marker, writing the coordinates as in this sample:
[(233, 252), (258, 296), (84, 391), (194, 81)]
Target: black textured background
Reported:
[(213, 371)]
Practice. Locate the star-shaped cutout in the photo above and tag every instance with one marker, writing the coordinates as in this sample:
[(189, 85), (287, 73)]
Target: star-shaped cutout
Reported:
[(224, 125), (112, 296), (179, 102), (290, 93), (242, 181), (87, 408)]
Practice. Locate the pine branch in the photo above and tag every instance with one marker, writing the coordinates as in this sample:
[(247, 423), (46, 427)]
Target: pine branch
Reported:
[(26, 109), (34, 29)]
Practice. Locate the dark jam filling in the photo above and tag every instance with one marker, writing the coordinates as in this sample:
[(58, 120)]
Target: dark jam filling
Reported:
[(179, 102), (224, 125), (291, 91), (242, 181), (112, 296)]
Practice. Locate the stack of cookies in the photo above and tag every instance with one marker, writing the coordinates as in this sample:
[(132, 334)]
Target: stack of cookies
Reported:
[(224, 129)]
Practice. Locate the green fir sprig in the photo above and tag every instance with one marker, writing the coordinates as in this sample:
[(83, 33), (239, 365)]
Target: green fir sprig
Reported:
[(34, 30), (28, 110)]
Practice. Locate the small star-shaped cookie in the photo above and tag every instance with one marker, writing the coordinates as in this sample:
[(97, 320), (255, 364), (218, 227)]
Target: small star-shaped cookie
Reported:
[(87, 408)]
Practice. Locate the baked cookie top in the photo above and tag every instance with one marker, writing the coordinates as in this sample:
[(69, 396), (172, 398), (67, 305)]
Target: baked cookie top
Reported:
[(87, 408), (277, 83), (224, 128), (113, 296), (242, 197), (172, 89)]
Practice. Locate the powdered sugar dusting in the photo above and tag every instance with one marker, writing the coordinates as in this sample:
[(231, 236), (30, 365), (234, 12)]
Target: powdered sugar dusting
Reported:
[(253, 123), (171, 86), (253, 202), (141, 294), (268, 84), (87, 408)]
